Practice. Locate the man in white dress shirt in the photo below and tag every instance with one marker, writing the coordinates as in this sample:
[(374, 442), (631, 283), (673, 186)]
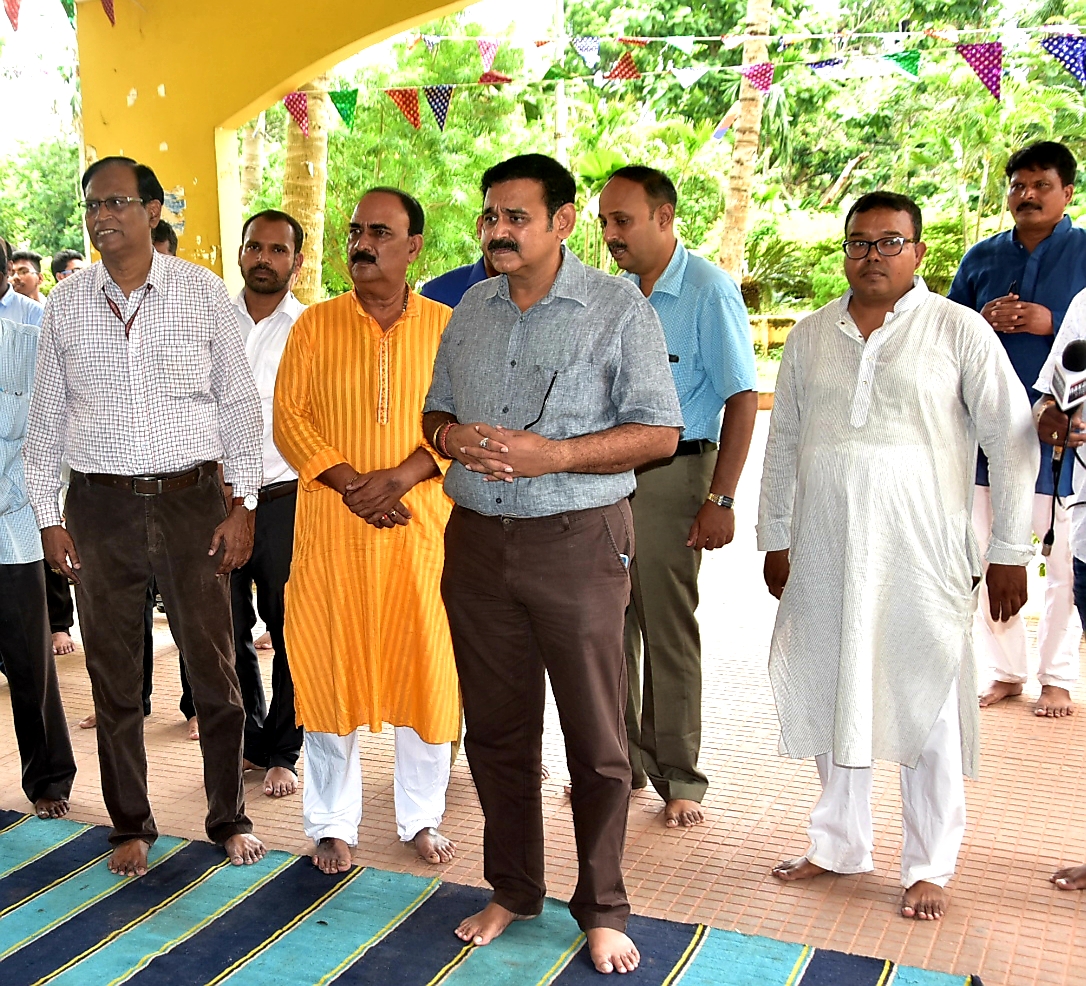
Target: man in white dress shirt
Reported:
[(867, 492), (270, 257)]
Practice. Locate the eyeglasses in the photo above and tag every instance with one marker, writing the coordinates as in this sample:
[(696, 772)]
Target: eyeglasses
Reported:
[(114, 204), (61, 274), (888, 246)]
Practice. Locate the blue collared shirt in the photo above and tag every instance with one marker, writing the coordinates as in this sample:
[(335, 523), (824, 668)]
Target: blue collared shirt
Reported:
[(16, 308), (707, 328), (1051, 276), (20, 542), (449, 288)]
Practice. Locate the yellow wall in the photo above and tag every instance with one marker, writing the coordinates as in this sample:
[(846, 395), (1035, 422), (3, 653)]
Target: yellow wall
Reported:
[(171, 83)]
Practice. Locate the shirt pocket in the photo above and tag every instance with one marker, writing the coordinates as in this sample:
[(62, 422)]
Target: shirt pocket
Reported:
[(185, 370), (575, 399), (13, 411)]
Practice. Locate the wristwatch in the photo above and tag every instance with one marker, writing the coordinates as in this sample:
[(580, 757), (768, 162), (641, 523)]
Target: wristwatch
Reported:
[(249, 501), (720, 500)]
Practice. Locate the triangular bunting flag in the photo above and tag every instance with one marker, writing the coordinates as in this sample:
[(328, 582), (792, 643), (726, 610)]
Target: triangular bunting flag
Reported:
[(624, 68), (907, 61), (107, 6), (639, 42), (688, 76), (297, 104), (589, 50), (11, 7), (732, 41), (439, 97), (760, 75), (494, 78), (728, 122), (431, 41), (943, 34), (986, 59), (408, 102), (1068, 50), (683, 44), (555, 72), (487, 50), (345, 102), (819, 67)]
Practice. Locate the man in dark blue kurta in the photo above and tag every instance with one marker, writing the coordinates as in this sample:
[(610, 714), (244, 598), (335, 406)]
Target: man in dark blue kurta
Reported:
[(1022, 281)]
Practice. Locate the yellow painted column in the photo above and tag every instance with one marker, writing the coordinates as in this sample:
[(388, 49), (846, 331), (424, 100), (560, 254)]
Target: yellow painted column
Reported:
[(170, 84)]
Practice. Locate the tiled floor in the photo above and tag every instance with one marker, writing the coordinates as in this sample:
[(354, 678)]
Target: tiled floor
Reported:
[(1006, 922)]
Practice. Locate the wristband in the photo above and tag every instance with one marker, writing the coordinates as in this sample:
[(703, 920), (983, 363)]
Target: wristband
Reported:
[(720, 500), (441, 434)]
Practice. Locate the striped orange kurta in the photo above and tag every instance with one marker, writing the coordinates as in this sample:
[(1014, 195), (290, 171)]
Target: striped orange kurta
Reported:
[(366, 630)]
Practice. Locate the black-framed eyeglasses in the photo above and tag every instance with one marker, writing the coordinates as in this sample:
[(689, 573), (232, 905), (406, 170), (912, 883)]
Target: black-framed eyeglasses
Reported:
[(888, 246), (114, 204)]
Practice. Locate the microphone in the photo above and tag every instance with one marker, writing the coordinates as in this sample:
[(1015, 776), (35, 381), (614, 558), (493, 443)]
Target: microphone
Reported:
[(1069, 390)]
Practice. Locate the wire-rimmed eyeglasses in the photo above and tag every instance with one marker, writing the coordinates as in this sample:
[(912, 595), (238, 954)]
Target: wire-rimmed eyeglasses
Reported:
[(888, 246)]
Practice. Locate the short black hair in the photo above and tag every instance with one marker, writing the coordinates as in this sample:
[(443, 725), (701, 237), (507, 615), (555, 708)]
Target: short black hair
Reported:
[(30, 256), (416, 218), (887, 200), (164, 233), (559, 186), (1045, 154), (276, 216), (62, 258), (5, 256), (659, 189), (150, 188)]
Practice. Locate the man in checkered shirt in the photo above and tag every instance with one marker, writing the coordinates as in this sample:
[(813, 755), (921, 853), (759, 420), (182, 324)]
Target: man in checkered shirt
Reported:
[(143, 388)]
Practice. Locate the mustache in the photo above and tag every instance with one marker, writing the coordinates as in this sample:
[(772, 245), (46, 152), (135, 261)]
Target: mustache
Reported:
[(1028, 205), (502, 245), (363, 257), (616, 245)]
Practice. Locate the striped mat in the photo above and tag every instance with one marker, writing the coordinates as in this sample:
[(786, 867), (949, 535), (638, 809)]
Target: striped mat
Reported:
[(194, 920)]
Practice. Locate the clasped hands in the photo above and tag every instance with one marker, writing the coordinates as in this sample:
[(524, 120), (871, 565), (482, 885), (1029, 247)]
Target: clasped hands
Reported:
[(375, 497), (501, 454), (1009, 314)]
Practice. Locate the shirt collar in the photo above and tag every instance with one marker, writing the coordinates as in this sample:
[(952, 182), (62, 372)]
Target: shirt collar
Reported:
[(571, 282), (158, 276), (413, 309), (288, 304), (671, 280), (913, 298), (1059, 231)]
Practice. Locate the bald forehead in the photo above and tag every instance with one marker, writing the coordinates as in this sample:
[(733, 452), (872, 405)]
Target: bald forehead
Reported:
[(383, 209)]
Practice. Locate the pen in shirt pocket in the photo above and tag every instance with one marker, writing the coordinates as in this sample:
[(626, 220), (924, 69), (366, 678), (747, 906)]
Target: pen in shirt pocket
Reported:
[(1013, 289)]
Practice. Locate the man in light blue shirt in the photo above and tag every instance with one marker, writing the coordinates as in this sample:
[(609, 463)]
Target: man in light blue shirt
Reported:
[(26, 647), (14, 306), (683, 503)]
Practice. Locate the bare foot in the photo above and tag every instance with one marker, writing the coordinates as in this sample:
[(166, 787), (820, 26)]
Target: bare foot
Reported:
[(63, 643), (244, 849), (433, 846), (797, 869), (999, 690), (51, 807), (89, 722), (924, 901), (129, 858), (263, 642), (247, 764), (279, 782), (194, 729), (611, 950), (491, 921), (680, 811), (1070, 878), (332, 856), (1054, 702)]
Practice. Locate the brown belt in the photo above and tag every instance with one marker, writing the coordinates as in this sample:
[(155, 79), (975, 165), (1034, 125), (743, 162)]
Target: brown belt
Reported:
[(167, 482), (277, 490)]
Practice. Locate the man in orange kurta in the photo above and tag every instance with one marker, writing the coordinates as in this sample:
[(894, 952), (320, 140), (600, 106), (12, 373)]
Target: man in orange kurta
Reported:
[(365, 626)]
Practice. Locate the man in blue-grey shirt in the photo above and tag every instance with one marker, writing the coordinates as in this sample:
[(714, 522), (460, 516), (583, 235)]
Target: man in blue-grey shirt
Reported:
[(26, 647), (1022, 282), (551, 385), (684, 503)]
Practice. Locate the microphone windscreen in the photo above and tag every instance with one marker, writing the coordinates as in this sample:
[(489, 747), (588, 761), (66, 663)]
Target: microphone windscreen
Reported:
[(1074, 356)]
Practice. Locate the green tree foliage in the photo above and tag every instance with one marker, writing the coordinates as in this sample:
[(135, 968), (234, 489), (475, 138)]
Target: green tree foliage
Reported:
[(40, 196)]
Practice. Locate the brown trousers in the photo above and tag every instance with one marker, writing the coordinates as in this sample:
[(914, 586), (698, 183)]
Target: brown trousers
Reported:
[(124, 539), (526, 596)]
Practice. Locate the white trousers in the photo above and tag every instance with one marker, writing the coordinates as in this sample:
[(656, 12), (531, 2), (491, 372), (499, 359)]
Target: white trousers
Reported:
[(332, 786), (1003, 646), (932, 809)]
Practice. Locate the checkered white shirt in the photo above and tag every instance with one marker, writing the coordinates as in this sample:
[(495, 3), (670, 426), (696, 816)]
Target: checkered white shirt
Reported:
[(177, 392)]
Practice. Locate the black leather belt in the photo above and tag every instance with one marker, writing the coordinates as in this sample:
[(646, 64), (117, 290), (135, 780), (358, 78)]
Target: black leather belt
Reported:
[(696, 446), (151, 485), (276, 490)]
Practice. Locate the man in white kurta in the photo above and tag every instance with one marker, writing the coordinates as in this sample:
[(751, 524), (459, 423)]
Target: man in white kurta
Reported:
[(867, 490)]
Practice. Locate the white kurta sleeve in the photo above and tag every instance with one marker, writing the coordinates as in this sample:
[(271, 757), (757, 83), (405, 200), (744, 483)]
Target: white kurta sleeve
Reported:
[(779, 469), (1000, 410)]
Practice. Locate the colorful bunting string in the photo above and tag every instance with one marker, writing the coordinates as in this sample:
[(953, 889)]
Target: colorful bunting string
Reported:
[(487, 50), (624, 68), (986, 60), (408, 102), (493, 78), (107, 6), (636, 42), (297, 104), (685, 45), (825, 63), (589, 50), (907, 61), (688, 76), (760, 75), (431, 41), (11, 8), (439, 98), (727, 122), (1068, 50), (345, 102)]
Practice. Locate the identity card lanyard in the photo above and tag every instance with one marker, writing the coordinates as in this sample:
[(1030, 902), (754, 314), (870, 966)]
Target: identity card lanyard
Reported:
[(116, 311)]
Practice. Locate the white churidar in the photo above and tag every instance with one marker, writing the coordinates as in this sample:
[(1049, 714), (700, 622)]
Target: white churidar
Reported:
[(868, 480)]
